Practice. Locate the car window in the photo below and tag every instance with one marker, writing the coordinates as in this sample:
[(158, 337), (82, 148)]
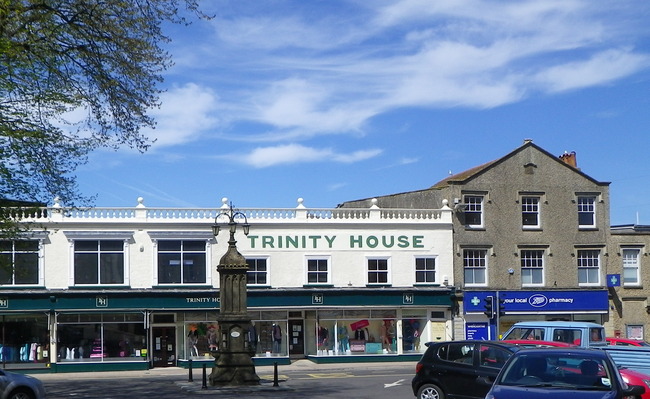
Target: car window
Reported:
[(492, 356), (579, 371), (526, 333), (459, 353), (568, 335)]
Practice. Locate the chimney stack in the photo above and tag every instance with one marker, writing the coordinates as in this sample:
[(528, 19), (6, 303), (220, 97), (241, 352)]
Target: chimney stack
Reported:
[(569, 158)]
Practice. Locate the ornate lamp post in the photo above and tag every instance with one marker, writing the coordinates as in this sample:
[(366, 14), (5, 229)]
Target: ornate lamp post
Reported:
[(233, 361)]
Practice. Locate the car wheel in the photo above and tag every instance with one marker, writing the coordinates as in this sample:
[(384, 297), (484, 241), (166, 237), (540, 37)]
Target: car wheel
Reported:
[(21, 393), (430, 391)]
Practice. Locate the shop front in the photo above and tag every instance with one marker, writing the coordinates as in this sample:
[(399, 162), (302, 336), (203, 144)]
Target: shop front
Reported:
[(139, 329), (513, 306)]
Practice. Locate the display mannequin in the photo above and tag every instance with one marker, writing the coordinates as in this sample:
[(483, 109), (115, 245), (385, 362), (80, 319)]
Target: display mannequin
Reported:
[(277, 338), (323, 336), (344, 341)]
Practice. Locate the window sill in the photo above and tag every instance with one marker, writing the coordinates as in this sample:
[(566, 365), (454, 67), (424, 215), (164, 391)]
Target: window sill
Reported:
[(427, 284), (258, 286), (531, 228), (199, 286), (378, 285), (99, 286), (324, 285), (632, 287)]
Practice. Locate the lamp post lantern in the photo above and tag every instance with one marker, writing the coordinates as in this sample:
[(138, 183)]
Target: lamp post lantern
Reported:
[(233, 360)]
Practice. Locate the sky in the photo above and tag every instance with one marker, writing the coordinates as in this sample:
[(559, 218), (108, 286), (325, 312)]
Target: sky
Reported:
[(338, 100)]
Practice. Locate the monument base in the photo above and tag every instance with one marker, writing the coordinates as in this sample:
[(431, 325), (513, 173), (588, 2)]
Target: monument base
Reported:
[(233, 369)]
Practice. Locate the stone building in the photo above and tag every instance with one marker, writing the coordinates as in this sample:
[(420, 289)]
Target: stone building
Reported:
[(531, 231)]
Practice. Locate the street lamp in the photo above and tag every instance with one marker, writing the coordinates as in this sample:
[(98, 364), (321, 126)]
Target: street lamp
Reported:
[(233, 360)]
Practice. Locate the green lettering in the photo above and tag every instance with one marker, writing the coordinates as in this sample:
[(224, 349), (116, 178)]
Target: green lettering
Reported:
[(388, 244), (372, 241), (267, 241), (330, 240), (292, 241), (252, 240), (417, 242), (403, 241), (356, 241)]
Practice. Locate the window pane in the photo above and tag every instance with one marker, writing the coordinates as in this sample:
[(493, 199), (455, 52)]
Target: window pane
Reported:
[(194, 268), (86, 269), (169, 268), (169, 245), (112, 268), (111, 245), (26, 269), (85, 245)]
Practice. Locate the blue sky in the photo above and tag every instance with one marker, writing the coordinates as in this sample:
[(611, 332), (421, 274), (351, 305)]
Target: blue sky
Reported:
[(345, 99)]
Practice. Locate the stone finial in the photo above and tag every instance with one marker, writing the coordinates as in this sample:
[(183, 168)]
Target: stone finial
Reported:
[(300, 203), (57, 202), (374, 203), (224, 201), (140, 203)]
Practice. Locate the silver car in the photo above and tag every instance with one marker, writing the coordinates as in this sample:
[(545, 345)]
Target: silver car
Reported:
[(19, 386)]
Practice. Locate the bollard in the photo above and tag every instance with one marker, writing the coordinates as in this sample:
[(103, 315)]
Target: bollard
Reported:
[(205, 379), (275, 374), (190, 378)]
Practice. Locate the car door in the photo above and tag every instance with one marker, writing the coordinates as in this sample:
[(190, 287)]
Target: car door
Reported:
[(460, 371), (491, 359)]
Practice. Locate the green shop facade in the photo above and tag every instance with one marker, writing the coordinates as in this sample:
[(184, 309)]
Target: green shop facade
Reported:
[(136, 288), (139, 329)]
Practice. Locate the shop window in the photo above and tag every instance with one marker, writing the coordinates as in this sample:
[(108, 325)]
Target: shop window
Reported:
[(257, 271), (24, 339), (19, 262), (378, 272), (269, 337), (475, 266), (202, 338), (425, 270), (588, 267), (181, 262), (101, 341), (99, 262), (318, 271)]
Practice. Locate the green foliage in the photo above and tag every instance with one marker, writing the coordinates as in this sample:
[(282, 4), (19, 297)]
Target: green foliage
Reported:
[(76, 75)]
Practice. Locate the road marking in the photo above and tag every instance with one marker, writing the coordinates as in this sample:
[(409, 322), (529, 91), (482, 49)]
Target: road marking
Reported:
[(271, 376), (394, 384), (331, 375)]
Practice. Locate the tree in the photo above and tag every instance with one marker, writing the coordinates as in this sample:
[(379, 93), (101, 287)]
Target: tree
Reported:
[(101, 59)]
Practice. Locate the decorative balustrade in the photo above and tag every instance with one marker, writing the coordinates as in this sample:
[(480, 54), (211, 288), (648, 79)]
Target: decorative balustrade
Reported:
[(141, 213)]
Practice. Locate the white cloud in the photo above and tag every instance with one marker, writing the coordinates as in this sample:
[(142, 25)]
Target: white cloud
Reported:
[(296, 71), (186, 113), (601, 68), (263, 157)]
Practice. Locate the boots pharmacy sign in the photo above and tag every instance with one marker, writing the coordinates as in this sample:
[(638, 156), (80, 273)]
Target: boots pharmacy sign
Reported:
[(540, 301)]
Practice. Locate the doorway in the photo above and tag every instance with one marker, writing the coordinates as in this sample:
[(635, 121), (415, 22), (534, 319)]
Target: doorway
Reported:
[(164, 346), (296, 336)]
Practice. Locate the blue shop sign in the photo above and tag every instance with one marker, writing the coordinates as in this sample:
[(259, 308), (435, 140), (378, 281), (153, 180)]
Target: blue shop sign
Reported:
[(539, 301)]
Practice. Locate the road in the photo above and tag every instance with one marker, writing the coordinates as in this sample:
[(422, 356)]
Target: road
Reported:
[(354, 381)]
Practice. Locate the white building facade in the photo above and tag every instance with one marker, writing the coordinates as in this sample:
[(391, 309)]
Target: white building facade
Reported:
[(131, 288)]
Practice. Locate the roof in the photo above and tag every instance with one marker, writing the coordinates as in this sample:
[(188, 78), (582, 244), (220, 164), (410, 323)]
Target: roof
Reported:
[(463, 177)]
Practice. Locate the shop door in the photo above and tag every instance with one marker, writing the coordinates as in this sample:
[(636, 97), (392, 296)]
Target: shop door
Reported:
[(296, 336), (164, 346)]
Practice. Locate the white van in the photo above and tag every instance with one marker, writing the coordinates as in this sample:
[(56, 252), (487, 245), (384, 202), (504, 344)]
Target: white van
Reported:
[(583, 334)]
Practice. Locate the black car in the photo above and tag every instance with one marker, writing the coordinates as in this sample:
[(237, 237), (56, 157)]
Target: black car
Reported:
[(561, 373), (459, 369)]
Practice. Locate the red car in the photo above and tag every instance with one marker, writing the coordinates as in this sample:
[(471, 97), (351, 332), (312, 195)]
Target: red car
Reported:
[(630, 377), (626, 342)]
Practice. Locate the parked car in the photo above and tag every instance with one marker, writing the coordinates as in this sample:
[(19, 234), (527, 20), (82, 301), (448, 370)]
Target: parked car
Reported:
[(631, 377), (19, 386), (548, 373), (451, 369), (626, 342), (579, 333), (534, 343)]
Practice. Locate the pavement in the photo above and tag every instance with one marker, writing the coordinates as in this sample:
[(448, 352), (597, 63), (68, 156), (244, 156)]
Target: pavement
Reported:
[(265, 372)]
